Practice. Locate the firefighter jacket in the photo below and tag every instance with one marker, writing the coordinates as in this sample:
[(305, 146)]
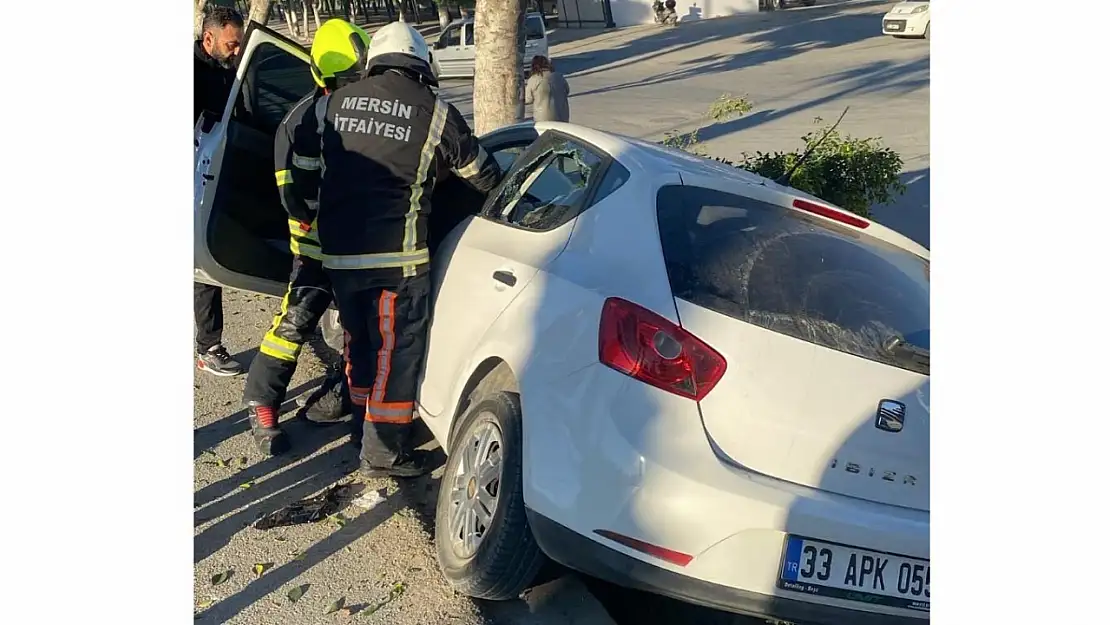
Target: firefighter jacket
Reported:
[(381, 141), (298, 177)]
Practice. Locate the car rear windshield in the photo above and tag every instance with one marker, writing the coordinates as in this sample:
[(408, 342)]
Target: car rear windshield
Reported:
[(797, 275), (533, 28)]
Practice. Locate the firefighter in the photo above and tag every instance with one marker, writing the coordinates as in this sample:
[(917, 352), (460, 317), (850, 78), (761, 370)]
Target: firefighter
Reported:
[(335, 61), (382, 140)]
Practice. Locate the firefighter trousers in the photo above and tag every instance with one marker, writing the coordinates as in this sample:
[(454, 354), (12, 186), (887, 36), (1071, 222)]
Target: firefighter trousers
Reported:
[(386, 324), (305, 302)]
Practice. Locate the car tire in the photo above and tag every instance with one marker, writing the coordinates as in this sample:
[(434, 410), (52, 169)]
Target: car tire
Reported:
[(332, 330), (506, 558)]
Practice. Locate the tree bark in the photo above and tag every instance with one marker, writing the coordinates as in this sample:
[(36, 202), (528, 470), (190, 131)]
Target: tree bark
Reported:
[(260, 11), (499, 51), (198, 16), (444, 14), (316, 13), (291, 18)]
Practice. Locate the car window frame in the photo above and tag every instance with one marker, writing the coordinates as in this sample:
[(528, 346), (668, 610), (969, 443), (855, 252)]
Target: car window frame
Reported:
[(250, 88), (536, 157), (543, 27), (446, 44)]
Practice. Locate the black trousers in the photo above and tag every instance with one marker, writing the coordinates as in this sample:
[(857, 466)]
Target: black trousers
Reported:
[(386, 321), (208, 313), (305, 302)]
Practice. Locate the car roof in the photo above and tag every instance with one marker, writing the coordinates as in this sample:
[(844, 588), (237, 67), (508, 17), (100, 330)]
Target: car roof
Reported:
[(470, 20), (652, 158)]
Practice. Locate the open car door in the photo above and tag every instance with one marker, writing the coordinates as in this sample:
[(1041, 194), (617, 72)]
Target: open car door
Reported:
[(241, 230)]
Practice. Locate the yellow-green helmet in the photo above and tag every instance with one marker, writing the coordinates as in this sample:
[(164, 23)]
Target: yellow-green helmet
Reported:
[(338, 51)]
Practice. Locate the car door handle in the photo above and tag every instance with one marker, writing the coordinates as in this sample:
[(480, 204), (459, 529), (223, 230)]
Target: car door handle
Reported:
[(208, 176), (505, 277)]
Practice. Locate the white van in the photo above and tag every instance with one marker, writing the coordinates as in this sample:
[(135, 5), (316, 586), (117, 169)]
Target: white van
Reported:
[(453, 52)]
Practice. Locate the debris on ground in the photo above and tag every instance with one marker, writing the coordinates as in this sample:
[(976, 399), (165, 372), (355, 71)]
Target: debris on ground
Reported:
[(368, 500), (297, 592), (324, 506)]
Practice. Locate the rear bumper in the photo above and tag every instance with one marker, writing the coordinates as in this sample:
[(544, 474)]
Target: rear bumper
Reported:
[(580, 553)]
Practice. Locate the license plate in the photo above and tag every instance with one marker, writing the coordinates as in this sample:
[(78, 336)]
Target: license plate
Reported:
[(894, 27), (833, 570)]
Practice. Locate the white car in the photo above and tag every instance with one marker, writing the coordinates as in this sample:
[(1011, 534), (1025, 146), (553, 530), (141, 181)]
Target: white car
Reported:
[(453, 51), (647, 366), (908, 19)]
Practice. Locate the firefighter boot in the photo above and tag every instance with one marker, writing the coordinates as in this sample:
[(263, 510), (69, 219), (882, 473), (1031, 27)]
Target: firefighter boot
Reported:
[(411, 464), (331, 403), (265, 431)]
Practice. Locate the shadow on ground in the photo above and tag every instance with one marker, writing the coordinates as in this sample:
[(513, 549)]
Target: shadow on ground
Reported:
[(766, 38), (880, 76)]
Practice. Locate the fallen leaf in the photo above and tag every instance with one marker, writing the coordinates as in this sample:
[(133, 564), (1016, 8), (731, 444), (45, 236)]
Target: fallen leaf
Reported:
[(220, 578), (204, 605), (262, 567), (297, 593), (210, 452), (242, 461), (297, 555), (338, 519), (397, 591), (279, 539), (246, 484), (220, 462), (334, 606)]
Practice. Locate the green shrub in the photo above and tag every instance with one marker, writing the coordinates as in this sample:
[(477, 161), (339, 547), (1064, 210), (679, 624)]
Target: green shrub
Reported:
[(851, 173)]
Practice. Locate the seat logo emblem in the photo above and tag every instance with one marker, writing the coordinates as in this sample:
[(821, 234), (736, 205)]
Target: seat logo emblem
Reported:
[(891, 416)]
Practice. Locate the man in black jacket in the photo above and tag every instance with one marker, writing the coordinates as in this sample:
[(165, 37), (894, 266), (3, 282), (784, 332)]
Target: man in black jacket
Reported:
[(382, 140), (214, 56)]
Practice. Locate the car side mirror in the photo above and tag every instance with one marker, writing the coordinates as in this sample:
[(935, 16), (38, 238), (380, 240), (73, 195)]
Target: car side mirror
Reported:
[(440, 44)]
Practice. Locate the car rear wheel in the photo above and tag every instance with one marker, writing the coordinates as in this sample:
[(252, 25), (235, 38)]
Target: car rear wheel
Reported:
[(483, 541)]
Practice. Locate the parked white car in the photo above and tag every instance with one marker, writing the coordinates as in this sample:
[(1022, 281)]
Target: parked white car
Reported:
[(908, 19), (453, 52), (647, 366)]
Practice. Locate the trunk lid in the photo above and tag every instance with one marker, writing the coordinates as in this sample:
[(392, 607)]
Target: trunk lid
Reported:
[(821, 325), (808, 414)]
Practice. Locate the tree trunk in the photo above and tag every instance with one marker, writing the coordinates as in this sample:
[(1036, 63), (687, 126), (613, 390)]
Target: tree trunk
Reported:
[(260, 11), (444, 14), (304, 19), (316, 13), (198, 16), (499, 51), (291, 18)]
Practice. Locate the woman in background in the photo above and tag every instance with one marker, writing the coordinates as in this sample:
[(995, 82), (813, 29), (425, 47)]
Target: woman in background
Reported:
[(548, 93)]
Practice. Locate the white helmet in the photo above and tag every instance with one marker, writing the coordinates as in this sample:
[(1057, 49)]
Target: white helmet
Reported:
[(398, 38)]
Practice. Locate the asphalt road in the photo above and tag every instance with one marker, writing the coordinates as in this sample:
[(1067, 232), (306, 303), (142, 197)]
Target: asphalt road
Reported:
[(794, 66)]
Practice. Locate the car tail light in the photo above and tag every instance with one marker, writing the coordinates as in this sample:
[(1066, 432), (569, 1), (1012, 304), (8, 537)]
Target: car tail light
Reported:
[(831, 213), (645, 346)]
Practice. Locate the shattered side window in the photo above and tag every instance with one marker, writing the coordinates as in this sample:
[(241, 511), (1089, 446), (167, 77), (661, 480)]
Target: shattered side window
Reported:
[(551, 190)]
